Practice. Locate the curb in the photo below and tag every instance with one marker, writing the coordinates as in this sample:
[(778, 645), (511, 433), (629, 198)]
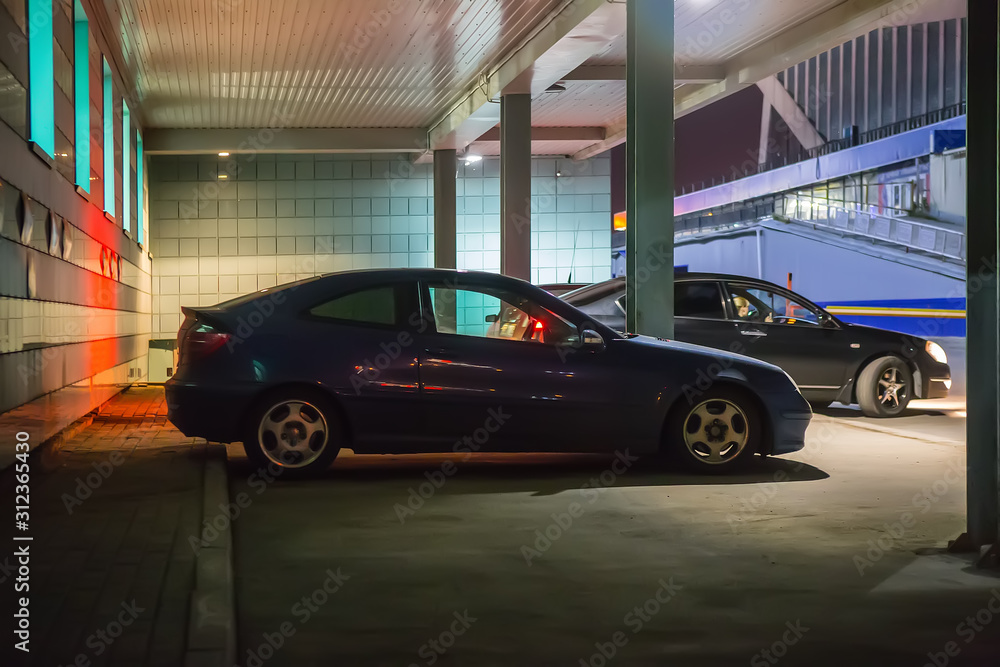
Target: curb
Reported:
[(211, 637), (899, 433)]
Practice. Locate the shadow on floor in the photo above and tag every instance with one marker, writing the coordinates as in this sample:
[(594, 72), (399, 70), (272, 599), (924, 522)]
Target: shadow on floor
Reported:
[(540, 474)]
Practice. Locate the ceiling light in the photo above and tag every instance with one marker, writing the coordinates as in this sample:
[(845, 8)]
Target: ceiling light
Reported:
[(223, 176), (224, 154), (472, 157)]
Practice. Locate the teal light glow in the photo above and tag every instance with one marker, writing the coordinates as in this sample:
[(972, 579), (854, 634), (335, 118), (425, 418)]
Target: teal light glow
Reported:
[(140, 218), (109, 143), (41, 89), (126, 167), (81, 95)]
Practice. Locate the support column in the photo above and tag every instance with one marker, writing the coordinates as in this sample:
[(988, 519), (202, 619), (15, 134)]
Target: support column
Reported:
[(445, 174), (515, 185), (649, 170), (982, 321)]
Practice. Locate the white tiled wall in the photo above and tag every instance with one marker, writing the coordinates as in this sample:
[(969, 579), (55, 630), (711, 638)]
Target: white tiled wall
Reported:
[(274, 219)]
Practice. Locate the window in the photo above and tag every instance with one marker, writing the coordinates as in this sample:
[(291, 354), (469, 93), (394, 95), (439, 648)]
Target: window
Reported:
[(109, 141), (126, 168), (139, 211), (702, 300), (485, 312), (757, 305), (81, 96), (370, 306), (41, 79)]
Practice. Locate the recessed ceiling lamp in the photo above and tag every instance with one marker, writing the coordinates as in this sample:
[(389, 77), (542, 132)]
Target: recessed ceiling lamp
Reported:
[(224, 154), (470, 158)]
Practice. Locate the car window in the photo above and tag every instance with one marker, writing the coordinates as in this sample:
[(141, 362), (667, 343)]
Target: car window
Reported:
[(368, 306), (752, 304), (699, 300), (486, 312)]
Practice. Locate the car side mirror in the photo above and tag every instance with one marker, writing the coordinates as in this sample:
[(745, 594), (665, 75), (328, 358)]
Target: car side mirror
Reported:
[(492, 318), (592, 341), (826, 321)]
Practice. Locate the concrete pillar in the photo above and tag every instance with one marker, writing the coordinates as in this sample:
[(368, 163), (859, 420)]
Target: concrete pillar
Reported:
[(515, 185), (649, 171), (445, 174), (982, 320)]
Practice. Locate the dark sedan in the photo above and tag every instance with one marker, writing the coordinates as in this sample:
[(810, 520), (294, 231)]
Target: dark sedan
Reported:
[(830, 360), (426, 360)]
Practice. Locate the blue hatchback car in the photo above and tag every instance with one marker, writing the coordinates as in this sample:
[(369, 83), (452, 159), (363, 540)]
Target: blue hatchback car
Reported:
[(434, 360)]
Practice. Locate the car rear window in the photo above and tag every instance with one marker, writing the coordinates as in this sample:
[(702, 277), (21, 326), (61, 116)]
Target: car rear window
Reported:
[(368, 306)]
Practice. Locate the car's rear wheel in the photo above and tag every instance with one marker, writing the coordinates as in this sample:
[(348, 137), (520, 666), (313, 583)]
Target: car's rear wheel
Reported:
[(885, 387), (296, 432), (718, 433)]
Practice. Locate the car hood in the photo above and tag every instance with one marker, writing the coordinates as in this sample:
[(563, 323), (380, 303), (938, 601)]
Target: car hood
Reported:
[(707, 352), (884, 335)]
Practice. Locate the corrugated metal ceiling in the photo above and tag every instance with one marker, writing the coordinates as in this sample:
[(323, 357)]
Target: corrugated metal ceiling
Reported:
[(315, 63)]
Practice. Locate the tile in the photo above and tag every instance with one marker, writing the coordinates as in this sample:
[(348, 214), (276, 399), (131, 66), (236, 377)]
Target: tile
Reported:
[(266, 245), (228, 247), (208, 247)]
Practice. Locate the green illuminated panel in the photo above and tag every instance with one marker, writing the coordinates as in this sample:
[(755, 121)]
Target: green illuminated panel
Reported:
[(126, 167), (81, 95), (109, 143), (138, 187), (41, 88)]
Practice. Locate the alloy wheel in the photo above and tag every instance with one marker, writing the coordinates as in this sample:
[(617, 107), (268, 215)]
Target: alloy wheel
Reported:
[(716, 431), (891, 388), (293, 434)]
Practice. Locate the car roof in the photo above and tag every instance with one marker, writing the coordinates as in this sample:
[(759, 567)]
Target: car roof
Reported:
[(599, 290)]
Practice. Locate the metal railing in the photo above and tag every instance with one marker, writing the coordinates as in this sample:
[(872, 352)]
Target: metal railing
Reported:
[(831, 146), (918, 236)]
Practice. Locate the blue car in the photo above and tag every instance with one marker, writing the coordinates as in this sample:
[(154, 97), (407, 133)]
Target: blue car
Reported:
[(434, 360)]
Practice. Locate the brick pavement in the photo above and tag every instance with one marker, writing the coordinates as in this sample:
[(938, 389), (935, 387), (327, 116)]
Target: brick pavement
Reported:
[(111, 512)]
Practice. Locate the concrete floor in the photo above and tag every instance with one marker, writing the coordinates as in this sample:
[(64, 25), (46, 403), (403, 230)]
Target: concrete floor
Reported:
[(795, 541)]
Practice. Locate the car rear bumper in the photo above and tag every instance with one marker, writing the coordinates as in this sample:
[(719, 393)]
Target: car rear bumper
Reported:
[(213, 413)]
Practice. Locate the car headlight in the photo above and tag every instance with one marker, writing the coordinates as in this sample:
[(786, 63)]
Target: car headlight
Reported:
[(936, 352)]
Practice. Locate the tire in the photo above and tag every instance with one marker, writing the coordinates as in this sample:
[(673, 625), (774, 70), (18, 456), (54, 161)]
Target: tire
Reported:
[(885, 387), (296, 431), (731, 443)]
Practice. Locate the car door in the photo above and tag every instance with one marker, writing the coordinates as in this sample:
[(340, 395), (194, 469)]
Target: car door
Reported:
[(700, 315), (497, 374), (364, 351), (780, 327)]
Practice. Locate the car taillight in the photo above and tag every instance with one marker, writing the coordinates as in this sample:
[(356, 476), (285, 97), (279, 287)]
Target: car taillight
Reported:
[(200, 341)]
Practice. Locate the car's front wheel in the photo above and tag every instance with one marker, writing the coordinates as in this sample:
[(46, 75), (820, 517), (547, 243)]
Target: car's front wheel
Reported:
[(296, 432), (885, 387), (718, 433)]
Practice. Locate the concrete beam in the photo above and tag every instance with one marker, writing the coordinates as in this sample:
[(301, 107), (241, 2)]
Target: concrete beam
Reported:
[(682, 73), (553, 134), (286, 140), (614, 135), (581, 29), (777, 96)]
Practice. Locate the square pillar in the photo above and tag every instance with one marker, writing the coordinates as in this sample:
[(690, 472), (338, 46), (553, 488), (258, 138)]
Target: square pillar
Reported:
[(515, 185), (649, 170), (445, 175), (982, 321)]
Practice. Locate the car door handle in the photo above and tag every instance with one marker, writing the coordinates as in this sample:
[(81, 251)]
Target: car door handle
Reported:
[(752, 332)]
